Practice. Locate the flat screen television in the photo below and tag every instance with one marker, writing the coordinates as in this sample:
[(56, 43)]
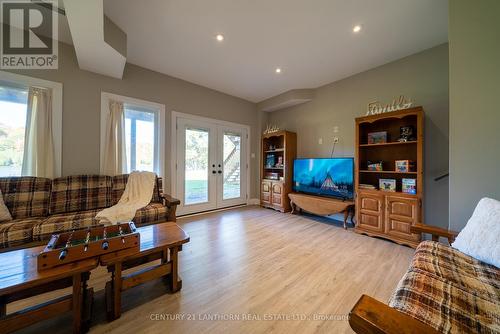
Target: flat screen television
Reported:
[(332, 177)]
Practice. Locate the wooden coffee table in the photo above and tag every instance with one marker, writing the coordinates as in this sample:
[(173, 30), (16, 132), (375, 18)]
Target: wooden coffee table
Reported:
[(158, 242), (19, 279)]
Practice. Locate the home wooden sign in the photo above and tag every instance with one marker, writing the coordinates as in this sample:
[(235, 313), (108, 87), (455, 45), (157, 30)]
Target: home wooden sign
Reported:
[(375, 108)]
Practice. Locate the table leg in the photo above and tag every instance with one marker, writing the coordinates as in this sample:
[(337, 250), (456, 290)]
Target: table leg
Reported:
[(109, 300), (77, 303), (117, 291), (353, 212), (346, 215), (88, 296), (3, 307), (113, 292), (175, 282)]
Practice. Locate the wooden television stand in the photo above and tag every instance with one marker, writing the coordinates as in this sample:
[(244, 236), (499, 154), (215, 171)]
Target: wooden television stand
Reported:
[(322, 206)]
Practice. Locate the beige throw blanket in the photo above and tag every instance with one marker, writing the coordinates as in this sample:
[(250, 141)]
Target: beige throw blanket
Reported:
[(137, 194)]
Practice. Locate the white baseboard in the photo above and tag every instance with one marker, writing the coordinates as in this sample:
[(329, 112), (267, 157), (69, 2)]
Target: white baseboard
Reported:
[(253, 201)]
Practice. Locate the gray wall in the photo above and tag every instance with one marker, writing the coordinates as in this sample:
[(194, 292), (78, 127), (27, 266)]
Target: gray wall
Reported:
[(474, 36), (82, 107), (423, 77)]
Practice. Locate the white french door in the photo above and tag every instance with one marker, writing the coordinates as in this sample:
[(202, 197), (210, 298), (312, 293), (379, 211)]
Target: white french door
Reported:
[(211, 165)]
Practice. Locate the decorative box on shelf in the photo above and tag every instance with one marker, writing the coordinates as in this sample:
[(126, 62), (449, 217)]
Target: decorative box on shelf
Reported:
[(272, 176), (375, 166), (379, 137), (404, 166)]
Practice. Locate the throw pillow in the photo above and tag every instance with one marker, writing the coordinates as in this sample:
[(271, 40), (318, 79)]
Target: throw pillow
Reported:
[(4, 212), (480, 238)]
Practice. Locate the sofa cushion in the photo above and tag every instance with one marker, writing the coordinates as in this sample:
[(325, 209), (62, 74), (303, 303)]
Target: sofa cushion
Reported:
[(151, 214), (450, 291), (26, 196), (17, 232), (64, 222), (4, 211), (480, 238), (119, 183), (80, 193)]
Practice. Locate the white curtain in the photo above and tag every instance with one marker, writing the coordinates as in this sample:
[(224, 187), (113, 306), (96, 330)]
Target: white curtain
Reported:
[(38, 158), (114, 157)]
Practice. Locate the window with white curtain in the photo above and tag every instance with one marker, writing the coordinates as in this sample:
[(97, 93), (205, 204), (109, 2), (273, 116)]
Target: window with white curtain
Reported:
[(13, 110), (143, 134), (27, 106)]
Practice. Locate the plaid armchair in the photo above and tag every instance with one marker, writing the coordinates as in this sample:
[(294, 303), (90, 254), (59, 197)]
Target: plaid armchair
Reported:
[(443, 291), (41, 207)]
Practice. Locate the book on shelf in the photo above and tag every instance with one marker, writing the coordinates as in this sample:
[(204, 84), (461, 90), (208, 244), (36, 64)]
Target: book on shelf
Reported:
[(409, 186), (367, 186)]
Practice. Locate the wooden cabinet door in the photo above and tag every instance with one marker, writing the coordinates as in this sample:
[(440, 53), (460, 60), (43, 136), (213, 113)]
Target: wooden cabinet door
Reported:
[(401, 213), (277, 194), (370, 211), (265, 196)]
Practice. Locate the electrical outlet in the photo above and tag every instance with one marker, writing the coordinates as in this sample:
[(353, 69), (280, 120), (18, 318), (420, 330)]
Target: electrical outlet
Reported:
[(320, 141), (335, 140)]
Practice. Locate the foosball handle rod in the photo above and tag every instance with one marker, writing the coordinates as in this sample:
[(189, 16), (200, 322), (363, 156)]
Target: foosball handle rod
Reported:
[(120, 232), (63, 254), (105, 243), (87, 240)]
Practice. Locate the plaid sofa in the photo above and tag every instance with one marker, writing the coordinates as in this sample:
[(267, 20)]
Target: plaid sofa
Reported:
[(41, 207), (450, 291)]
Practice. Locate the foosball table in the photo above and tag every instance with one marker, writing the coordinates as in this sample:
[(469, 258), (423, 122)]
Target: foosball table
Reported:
[(92, 242), (67, 261)]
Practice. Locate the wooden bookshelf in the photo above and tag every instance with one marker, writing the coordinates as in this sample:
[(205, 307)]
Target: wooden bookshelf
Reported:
[(282, 146), (382, 213)]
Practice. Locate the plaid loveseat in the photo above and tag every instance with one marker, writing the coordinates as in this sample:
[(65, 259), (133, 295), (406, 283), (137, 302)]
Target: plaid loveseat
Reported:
[(41, 207), (450, 291)]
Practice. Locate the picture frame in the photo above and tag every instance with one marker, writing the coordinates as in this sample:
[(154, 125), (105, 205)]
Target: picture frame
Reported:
[(387, 185), (270, 160)]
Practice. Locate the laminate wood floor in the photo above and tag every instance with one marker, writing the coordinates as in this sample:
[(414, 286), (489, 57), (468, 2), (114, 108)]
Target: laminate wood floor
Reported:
[(254, 270)]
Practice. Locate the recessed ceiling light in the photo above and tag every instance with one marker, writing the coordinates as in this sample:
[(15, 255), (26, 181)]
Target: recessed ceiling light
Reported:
[(278, 70), (219, 37), (356, 28)]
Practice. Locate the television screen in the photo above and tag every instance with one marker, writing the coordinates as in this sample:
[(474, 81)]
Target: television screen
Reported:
[(327, 177)]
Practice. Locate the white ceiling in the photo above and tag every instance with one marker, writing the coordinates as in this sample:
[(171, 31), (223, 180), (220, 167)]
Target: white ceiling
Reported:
[(310, 40)]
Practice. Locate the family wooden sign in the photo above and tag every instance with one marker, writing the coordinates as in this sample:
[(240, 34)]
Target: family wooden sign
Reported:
[(375, 108)]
